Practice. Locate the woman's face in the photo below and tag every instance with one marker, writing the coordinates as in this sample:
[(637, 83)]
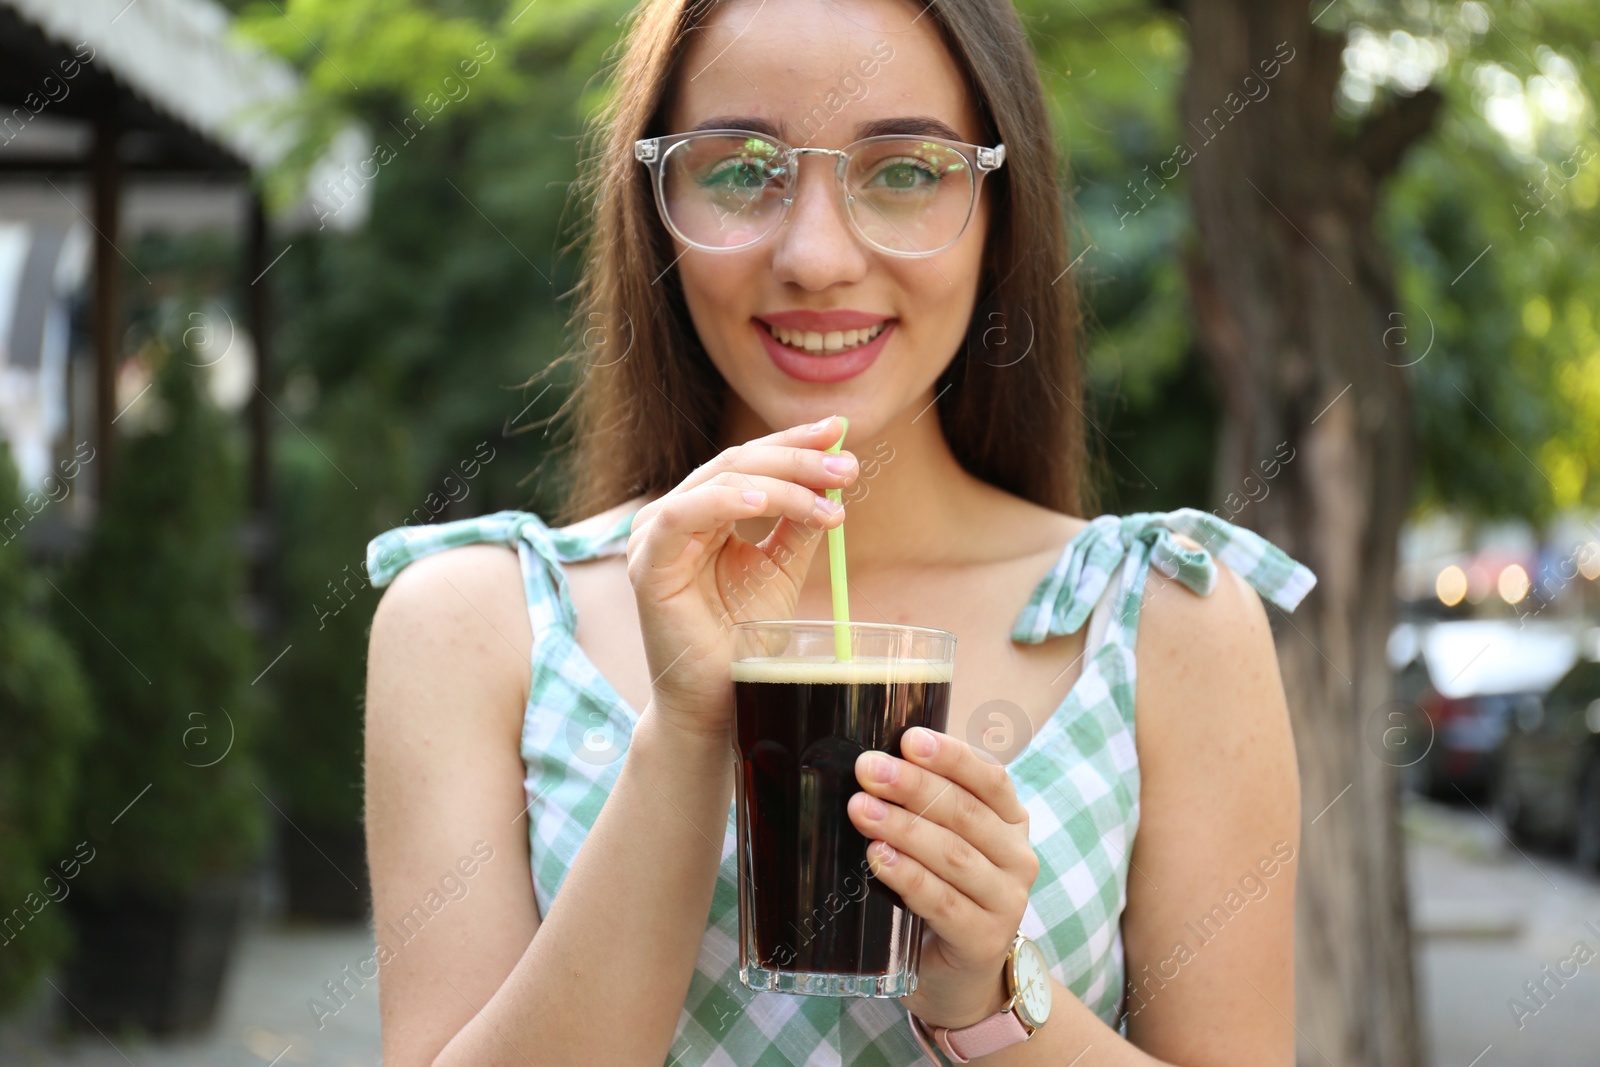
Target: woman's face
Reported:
[(812, 72)]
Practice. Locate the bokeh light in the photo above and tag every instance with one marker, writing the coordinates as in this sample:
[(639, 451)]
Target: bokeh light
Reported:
[(1451, 585), (1513, 583)]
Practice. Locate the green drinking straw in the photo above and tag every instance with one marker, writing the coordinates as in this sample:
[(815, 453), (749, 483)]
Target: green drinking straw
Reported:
[(841, 590)]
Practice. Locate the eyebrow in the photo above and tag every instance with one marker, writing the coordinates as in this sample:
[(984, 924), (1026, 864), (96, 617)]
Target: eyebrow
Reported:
[(911, 125)]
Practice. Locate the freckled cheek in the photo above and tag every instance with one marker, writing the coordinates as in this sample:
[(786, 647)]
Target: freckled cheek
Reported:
[(933, 322), (716, 296)]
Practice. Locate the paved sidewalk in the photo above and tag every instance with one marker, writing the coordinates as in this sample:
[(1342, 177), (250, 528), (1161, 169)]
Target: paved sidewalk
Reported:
[(1489, 917), (264, 1017)]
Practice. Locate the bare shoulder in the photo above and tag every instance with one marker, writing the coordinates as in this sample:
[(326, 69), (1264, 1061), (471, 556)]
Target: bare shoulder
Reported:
[(1184, 636), (1208, 675), (459, 610), (608, 615), (1212, 721)]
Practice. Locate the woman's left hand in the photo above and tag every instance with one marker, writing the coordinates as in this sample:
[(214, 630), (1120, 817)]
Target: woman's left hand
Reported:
[(948, 834)]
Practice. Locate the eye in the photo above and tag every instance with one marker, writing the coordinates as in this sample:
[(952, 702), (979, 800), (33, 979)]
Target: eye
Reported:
[(905, 173), (739, 173)]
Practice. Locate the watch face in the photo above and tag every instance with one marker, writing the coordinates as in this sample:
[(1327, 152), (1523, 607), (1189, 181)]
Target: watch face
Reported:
[(1031, 983)]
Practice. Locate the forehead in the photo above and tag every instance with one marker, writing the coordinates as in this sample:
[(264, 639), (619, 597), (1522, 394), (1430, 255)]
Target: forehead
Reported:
[(821, 72)]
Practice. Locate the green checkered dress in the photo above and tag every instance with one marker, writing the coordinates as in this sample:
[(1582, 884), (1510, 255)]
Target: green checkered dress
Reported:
[(1079, 776)]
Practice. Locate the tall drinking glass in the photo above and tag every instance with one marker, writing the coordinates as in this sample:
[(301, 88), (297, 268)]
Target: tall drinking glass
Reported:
[(812, 919)]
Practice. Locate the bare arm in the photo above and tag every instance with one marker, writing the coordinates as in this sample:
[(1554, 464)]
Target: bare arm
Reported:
[(447, 683), (1209, 928)]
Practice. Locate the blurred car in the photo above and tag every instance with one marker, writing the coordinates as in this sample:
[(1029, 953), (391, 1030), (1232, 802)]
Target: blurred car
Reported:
[(1466, 678), (1547, 783)]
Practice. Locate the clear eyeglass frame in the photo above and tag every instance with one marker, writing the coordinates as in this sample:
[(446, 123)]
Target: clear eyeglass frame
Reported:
[(653, 151)]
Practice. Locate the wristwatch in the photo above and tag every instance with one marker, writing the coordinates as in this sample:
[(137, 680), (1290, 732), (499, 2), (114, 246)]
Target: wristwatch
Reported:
[(1026, 1008)]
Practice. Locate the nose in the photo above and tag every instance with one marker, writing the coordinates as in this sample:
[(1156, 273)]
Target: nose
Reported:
[(816, 247)]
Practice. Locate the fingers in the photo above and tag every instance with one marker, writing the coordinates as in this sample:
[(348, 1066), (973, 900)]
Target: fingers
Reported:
[(947, 802), (959, 762), (797, 455), (790, 468), (820, 434), (950, 836), (807, 466), (944, 853), (708, 510), (950, 914)]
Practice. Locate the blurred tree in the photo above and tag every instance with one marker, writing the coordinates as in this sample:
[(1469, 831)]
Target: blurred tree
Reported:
[(45, 720), (313, 748), (1277, 333), (1291, 286), (152, 607), (1317, 341)]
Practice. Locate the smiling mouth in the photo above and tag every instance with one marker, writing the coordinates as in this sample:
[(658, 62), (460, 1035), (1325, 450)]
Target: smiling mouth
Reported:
[(831, 343)]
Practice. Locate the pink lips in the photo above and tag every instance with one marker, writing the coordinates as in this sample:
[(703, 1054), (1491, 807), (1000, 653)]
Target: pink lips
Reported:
[(837, 368)]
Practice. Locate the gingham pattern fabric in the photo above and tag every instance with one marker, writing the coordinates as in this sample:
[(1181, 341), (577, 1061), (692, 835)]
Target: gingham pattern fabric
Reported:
[(1078, 777)]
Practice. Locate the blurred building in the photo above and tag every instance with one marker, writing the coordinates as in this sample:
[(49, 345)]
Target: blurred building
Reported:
[(119, 119)]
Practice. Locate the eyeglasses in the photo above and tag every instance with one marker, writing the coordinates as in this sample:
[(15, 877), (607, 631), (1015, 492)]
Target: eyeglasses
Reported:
[(722, 190)]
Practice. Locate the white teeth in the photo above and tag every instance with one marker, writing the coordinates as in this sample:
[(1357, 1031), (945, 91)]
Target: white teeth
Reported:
[(830, 342)]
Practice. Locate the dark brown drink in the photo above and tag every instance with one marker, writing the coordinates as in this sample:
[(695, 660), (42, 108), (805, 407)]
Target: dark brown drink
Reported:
[(813, 910)]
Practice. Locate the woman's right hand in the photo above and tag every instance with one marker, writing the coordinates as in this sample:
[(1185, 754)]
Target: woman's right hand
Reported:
[(693, 576)]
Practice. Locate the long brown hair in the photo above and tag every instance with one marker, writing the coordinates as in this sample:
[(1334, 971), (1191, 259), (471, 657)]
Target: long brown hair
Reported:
[(647, 405)]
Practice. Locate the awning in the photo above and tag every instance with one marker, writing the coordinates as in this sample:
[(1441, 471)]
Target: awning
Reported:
[(196, 97)]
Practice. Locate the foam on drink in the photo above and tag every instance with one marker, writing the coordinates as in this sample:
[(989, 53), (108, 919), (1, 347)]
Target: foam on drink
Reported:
[(863, 670)]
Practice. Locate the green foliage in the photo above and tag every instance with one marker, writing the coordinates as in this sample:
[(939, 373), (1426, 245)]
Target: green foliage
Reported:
[(443, 306), (313, 751), (403, 351), (1507, 405), (152, 607), (1113, 70), (379, 61), (45, 720)]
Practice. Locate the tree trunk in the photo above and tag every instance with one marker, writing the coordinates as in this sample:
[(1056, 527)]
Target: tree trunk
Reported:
[(1296, 313)]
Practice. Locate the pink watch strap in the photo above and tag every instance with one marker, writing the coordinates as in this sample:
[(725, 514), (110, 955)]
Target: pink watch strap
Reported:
[(1000, 1030)]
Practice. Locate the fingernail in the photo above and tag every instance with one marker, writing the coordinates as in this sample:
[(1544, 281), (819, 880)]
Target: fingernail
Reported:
[(754, 498), (886, 853), (828, 507), (873, 808), (838, 464), (880, 768), (821, 424), (923, 742)]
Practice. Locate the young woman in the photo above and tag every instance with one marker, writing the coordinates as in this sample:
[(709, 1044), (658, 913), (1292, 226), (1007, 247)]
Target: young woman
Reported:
[(802, 210)]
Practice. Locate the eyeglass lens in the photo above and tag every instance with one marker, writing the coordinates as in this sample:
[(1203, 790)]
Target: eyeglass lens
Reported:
[(906, 195)]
